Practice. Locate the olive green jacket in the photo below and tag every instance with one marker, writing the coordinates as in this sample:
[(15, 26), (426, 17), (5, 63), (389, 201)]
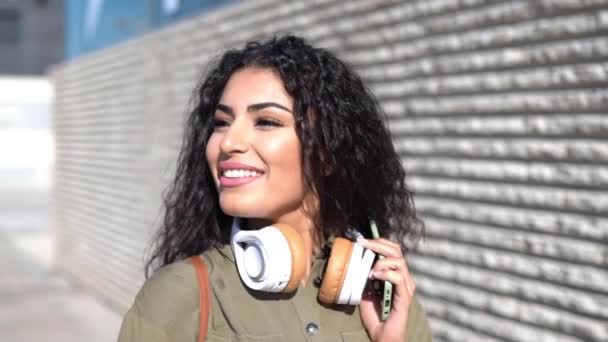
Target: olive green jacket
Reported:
[(166, 309)]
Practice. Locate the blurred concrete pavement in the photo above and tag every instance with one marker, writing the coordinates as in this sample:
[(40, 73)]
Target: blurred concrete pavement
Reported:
[(37, 303)]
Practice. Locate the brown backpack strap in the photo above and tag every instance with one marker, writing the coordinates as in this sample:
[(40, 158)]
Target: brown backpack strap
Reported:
[(204, 295)]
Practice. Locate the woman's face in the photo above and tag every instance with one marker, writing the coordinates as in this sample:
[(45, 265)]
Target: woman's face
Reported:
[(254, 152)]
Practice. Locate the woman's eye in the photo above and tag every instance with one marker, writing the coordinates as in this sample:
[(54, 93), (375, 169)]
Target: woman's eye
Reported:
[(219, 123), (268, 122)]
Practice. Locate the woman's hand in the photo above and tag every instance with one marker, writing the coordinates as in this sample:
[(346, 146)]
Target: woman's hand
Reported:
[(394, 269)]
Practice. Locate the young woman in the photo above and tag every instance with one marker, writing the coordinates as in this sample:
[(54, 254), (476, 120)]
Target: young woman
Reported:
[(283, 134)]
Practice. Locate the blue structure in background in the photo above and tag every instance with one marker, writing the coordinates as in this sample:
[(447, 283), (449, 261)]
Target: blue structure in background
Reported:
[(95, 24)]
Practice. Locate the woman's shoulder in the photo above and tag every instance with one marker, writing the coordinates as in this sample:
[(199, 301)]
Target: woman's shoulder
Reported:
[(167, 294), (172, 291)]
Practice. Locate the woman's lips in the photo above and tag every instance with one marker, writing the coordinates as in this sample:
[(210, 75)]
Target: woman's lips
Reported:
[(232, 166), (235, 165), (237, 181)]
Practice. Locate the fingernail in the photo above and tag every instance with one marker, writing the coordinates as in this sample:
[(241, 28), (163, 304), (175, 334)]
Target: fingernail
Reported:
[(371, 275), (361, 241)]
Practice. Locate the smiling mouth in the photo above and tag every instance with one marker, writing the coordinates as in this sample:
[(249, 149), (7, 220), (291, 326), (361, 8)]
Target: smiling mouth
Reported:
[(237, 177), (235, 174)]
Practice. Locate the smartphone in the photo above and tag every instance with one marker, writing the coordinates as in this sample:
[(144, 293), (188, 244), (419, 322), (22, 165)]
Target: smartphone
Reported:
[(387, 291)]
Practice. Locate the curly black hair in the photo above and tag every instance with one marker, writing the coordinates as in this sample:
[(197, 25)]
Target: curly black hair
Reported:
[(348, 155)]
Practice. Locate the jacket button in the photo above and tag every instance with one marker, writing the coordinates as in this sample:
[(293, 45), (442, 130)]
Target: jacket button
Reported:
[(312, 328)]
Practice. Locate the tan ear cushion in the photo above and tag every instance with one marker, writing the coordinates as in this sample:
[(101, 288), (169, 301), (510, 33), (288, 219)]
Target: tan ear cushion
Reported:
[(335, 272), (298, 255)]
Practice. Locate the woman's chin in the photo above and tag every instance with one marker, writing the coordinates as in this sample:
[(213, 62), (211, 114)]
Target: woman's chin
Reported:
[(240, 208)]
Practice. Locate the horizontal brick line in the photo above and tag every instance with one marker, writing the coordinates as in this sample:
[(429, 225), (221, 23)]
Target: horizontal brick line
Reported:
[(474, 331), (485, 113), (439, 167), (504, 317), (126, 209), (507, 181), (437, 15), (127, 153), (506, 23), (103, 180), (116, 58), (528, 92), (95, 227), (510, 271), (122, 167), (455, 255), (94, 109), (89, 85), (473, 70), (99, 79), (475, 50), (600, 136), (504, 226), (497, 312), (528, 162), (105, 201), (323, 20), (452, 331), (484, 331), (99, 186), (101, 230), (122, 249), (100, 167), (529, 123), (456, 94), (528, 299), (86, 140), (531, 185), (99, 225), (489, 72), (490, 198), (438, 73), (490, 158), (121, 206), (70, 123), (509, 205), (102, 242), (513, 251), (431, 36), (73, 127)]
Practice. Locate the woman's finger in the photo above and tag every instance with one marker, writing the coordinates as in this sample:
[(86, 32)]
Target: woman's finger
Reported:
[(394, 277), (383, 247), (397, 264)]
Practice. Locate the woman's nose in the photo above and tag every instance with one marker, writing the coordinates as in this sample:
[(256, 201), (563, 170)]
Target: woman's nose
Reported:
[(235, 139)]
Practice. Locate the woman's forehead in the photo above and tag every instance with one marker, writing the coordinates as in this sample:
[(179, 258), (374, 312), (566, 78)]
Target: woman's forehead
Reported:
[(255, 85)]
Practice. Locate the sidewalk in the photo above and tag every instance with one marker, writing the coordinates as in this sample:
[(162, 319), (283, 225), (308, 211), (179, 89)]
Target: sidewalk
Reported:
[(38, 304)]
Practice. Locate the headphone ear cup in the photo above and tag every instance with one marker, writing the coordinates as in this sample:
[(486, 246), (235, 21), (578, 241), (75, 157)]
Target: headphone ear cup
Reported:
[(298, 255), (335, 271)]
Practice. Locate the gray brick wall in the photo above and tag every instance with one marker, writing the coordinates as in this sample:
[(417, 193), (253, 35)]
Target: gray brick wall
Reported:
[(498, 108)]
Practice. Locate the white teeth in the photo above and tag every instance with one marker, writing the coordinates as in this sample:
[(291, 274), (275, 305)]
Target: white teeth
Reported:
[(240, 173)]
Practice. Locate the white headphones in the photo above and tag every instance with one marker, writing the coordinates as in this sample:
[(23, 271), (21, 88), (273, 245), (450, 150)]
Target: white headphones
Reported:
[(273, 259)]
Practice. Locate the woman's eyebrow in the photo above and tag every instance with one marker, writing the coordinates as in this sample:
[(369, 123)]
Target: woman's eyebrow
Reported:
[(260, 106), (252, 108)]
